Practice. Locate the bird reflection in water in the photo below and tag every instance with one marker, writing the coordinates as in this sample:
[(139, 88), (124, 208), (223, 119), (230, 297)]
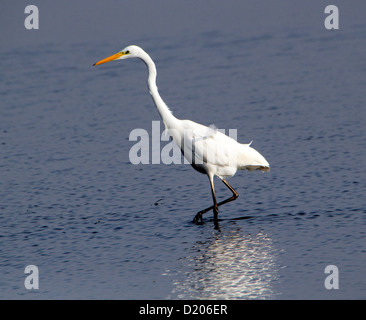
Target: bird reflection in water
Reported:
[(228, 266)]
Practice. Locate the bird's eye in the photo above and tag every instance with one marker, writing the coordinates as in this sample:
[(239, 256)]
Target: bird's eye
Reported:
[(127, 52)]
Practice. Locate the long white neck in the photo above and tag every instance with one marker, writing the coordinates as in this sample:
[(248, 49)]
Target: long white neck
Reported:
[(163, 109)]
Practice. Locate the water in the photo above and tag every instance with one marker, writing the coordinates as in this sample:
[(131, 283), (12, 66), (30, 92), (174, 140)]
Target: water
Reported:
[(99, 227)]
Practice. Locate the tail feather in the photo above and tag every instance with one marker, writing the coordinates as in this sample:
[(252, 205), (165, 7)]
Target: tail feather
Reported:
[(251, 159)]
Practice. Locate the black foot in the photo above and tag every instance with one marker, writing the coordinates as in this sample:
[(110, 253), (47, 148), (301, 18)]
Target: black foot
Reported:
[(198, 218), (217, 226)]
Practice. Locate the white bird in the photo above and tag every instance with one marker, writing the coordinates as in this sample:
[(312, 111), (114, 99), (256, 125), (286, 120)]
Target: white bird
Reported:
[(208, 151)]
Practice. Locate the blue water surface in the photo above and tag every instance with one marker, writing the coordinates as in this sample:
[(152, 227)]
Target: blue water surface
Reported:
[(99, 227)]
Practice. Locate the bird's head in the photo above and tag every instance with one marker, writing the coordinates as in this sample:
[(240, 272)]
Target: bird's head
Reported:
[(128, 52)]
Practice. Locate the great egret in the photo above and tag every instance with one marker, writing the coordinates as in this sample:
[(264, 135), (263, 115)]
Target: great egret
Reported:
[(208, 150)]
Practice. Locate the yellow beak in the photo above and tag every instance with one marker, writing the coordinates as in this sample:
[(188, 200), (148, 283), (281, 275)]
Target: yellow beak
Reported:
[(111, 58)]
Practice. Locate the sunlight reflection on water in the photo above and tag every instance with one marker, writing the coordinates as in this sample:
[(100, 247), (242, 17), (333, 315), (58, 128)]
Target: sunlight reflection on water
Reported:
[(227, 266)]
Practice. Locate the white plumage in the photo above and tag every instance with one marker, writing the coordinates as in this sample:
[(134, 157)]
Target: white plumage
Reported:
[(208, 150)]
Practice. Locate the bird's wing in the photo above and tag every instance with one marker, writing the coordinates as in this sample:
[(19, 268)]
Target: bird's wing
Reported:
[(203, 134), (208, 145)]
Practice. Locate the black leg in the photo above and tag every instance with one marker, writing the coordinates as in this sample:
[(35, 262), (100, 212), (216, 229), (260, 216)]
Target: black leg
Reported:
[(235, 194), (198, 216)]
